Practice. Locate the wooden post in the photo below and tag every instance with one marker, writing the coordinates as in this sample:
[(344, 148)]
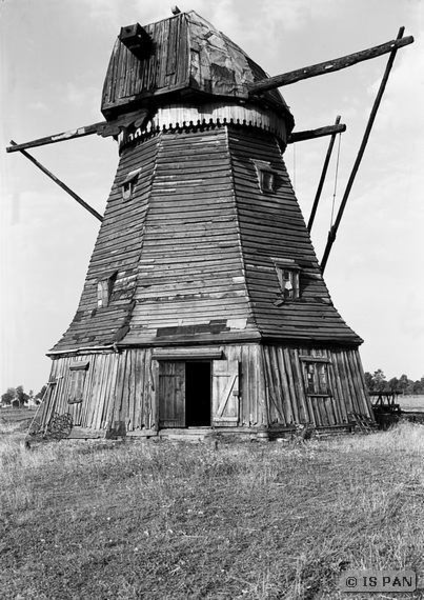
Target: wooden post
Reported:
[(312, 134), (329, 66), (60, 183), (323, 175), (333, 231)]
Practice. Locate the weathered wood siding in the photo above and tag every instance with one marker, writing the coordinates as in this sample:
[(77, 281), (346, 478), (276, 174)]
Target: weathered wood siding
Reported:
[(125, 387), (252, 385), (117, 249), (287, 391), (272, 227), (191, 280)]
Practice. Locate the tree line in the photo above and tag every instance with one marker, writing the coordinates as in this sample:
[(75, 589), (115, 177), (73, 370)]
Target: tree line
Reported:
[(377, 382), (16, 396)]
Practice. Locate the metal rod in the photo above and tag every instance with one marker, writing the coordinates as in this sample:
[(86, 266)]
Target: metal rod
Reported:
[(333, 231), (60, 183), (323, 176)]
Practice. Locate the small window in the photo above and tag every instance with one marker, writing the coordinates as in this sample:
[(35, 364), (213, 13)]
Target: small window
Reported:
[(316, 376), (129, 184), (105, 289), (288, 279), (77, 376), (267, 181), (266, 176)]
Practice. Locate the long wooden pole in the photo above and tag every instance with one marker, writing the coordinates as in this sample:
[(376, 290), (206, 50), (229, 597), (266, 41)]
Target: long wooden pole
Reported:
[(333, 231), (59, 137), (311, 134), (60, 183), (323, 176), (329, 66)]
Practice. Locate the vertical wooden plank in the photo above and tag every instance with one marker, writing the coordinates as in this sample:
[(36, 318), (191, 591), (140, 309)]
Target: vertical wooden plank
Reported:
[(139, 386), (349, 383), (119, 390), (277, 408), (172, 394), (172, 54), (339, 386), (152, 418), (289, 408), (225, 390), (100, 396), (111, 367), (365, 403)]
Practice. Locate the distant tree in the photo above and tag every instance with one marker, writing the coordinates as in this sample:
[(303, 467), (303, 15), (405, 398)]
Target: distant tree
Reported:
[(403, 383), (369, 381), (8, 396), (393, 384), (417, 387), (21, 396), (379, 379)]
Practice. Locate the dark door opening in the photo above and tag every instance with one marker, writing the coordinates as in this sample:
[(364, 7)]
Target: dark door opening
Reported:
[(198, 394)]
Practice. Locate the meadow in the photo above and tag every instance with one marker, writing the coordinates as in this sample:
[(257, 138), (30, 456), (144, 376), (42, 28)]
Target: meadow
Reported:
[(165, 520)]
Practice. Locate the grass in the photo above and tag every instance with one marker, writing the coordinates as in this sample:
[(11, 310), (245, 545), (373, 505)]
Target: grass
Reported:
[(100, 520), (411, 402)]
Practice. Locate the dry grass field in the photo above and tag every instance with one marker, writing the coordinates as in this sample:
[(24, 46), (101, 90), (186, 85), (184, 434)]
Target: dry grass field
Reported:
[(411, 402), (103, 520)]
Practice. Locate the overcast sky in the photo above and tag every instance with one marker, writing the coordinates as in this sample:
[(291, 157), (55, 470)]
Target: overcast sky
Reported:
[(54, 55)]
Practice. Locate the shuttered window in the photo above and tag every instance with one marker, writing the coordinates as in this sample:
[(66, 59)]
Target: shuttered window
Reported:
[(78, 371), (315, 371)]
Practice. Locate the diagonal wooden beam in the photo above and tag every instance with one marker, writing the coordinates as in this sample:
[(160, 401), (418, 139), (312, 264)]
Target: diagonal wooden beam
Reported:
[(333, 231), (60, 183), (329, 66)]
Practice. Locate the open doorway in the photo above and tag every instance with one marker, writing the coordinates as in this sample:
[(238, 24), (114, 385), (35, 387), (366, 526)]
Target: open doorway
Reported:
[(198, 394)]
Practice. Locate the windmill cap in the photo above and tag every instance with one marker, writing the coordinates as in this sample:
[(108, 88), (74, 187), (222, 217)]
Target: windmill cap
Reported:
[(183, 57)]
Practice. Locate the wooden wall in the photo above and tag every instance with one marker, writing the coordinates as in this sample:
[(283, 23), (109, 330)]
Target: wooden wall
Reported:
[(287, 390), (272, 386)]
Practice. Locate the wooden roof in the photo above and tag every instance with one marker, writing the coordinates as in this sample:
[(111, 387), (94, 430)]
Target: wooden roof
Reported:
[(184, 55), (194, 249)]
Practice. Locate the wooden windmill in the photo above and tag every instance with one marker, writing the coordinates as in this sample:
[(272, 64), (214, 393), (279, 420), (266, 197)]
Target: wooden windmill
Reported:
[(204, 304)]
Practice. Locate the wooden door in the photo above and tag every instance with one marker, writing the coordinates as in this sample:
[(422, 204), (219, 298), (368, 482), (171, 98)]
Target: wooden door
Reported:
[(172, 394), (225, 392)]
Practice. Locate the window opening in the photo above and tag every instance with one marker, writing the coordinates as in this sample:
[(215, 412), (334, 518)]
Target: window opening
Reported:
[(78, 371), (316, 378), (266, 176), (288, 279), (105, 289), (129, 184)]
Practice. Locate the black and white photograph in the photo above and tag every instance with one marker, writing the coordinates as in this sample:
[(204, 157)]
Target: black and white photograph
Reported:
[(212, 340)]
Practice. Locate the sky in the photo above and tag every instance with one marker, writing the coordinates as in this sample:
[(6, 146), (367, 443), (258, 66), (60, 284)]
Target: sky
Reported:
[(54, 55)]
